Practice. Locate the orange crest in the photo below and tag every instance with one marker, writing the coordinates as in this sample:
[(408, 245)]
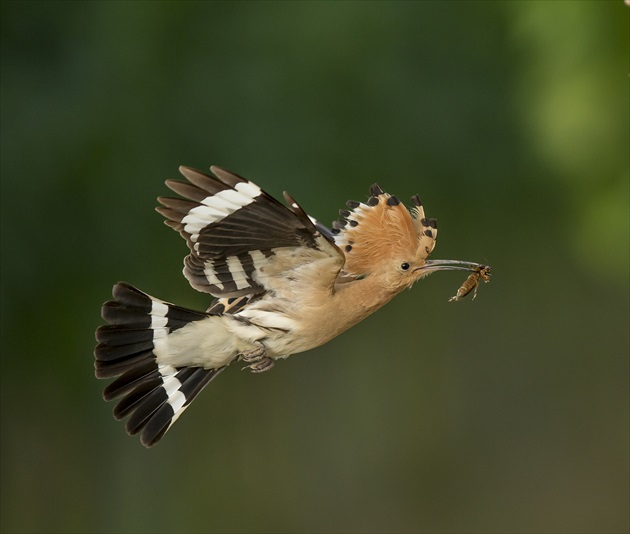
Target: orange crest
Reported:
[(383, 228)]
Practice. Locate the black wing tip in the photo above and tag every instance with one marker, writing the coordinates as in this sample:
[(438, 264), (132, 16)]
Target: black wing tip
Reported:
[(229, 178), (183, 169), (126, 286), (297, 210)]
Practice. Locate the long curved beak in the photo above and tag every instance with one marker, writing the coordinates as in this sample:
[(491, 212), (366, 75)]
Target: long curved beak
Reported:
[(451, 265)]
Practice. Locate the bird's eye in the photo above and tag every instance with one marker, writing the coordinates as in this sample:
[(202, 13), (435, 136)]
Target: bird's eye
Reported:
[(405, 266)]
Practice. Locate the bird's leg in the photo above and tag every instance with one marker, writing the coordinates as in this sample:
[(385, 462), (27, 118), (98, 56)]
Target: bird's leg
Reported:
[(257, 358), (261, 366), (254, 355)]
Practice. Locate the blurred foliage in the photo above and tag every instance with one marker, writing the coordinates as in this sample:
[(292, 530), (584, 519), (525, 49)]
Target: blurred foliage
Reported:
[(510, 119)]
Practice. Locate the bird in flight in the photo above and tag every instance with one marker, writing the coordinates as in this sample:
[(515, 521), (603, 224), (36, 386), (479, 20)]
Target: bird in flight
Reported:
[(283, 283)]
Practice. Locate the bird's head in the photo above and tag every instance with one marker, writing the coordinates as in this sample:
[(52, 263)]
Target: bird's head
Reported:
[(382, 238)]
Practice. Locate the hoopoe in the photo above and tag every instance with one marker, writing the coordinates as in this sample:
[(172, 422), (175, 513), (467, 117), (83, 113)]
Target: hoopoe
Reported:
[(283, 282)]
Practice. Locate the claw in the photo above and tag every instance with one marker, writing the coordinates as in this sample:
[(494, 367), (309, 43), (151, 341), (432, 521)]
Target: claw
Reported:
[(257, 359), (260, 366), (254, 355)]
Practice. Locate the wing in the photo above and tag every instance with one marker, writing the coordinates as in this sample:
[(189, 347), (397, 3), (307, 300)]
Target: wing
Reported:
[(243, 241)]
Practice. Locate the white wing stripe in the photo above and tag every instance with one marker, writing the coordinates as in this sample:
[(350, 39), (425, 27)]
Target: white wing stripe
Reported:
[(239, 199), (258, 258), (205, 213), (221, 203), (216, 207), (212, 276), (248, 189), (238, 273)]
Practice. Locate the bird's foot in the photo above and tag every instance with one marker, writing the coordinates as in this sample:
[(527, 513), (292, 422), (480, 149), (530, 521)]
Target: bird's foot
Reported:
[(254, 355), (258, 360), (262, 365)]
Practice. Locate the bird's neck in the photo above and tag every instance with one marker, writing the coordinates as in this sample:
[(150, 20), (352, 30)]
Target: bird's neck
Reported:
[(357, 299), (349, 304)]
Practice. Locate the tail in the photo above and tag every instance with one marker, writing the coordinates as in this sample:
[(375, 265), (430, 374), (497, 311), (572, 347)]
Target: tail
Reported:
[(154, 395)]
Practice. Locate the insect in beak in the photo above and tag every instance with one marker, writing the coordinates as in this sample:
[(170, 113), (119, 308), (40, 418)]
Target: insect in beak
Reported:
[(470, 284)]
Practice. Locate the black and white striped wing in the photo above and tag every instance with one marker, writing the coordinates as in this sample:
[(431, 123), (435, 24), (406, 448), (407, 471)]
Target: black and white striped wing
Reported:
[(238, 235)]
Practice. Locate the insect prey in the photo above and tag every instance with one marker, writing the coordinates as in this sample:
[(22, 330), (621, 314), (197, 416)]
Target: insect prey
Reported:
[(472, 283)]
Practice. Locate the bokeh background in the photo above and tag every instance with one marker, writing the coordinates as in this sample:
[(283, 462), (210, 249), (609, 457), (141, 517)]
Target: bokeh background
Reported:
[(510, 119)]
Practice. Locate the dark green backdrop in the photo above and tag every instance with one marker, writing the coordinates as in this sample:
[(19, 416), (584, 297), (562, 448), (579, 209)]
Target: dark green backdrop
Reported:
[(510, 119)]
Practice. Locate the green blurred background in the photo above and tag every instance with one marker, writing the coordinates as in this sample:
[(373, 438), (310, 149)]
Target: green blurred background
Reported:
[(510, 119)]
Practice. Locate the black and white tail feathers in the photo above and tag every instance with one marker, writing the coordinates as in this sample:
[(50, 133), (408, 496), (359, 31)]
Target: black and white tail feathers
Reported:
[(153, 396)]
